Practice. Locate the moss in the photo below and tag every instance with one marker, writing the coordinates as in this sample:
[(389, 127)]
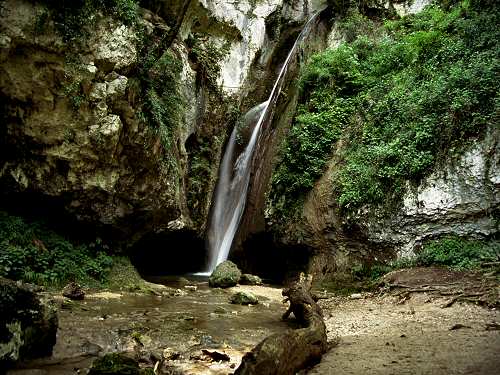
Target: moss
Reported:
[(114, 364), (124, 277)]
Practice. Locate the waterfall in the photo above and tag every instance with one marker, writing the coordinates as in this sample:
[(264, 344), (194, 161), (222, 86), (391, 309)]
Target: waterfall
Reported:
[(234, 172)]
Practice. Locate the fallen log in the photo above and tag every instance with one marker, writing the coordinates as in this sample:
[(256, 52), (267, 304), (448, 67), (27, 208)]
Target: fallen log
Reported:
[(287, 353)]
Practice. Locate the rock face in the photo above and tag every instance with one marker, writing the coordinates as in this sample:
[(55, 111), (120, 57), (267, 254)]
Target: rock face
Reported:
[(28, 323), (225, 275), (74, 128), (460, 198)]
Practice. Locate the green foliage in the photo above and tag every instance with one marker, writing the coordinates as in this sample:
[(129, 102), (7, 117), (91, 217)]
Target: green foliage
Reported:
[(207, 55), (355, 24), (73, 91), (400, 102), (114, 363), (200, 170), (162, 107), (458, 253), (449, 251), (35, 254), (75, 18)]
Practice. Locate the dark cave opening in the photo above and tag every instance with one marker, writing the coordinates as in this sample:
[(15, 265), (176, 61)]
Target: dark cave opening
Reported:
[(168, 253), (275, 263), (51, 212)]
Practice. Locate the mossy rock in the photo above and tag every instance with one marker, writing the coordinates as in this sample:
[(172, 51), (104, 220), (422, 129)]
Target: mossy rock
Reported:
[(244, 298), (247, 279), (225, 275), (28, 323), (115, 364)]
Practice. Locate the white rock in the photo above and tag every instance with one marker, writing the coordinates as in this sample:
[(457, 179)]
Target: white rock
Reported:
[(117, 48), (111, 125), (98, 91), (91, 68), (117, 87), (412, 7), (100, 109)]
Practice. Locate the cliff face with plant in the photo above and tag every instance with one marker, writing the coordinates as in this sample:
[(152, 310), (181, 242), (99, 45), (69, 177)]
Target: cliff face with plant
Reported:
[(395, 142), (116, 111)]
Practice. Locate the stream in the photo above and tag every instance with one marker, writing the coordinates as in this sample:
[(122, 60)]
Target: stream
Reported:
[(178, 322)]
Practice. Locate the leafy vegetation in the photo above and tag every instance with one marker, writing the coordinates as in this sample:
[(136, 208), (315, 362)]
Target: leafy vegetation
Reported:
[(208, 57), (74, 18), (33, 253), (401, 101), (449, 251), (458, 253), (162, 107)]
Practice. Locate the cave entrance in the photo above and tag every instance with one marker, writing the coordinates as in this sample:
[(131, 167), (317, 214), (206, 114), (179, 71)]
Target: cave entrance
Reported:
[(275, 263), (168, 253)]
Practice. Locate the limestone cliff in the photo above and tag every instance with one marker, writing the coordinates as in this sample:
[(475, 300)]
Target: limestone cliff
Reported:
[(84, 123)]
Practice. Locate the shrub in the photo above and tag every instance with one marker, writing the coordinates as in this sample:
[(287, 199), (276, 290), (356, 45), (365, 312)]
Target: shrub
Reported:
[(162, 108), (402, 101), (73, 17), (35, 254), (458, 253), (208, 56)]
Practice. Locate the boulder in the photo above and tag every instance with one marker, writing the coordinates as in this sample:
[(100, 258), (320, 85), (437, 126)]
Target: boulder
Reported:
[(247, 279), (73, 291), (244, 298), (28, 323), (225, 275)]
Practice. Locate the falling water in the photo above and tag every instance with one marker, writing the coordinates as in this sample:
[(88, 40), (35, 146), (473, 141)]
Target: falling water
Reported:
[(234, 173)]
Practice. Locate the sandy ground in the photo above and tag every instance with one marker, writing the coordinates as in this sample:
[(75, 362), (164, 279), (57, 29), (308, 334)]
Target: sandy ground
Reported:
[(379, 336)]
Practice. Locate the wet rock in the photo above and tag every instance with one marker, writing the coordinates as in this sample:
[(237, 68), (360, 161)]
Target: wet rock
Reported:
[(216, 356), (178, 293), (170, 355), (248, 279), (225, 275), (28, 323), (220, 310), (73, 291), (115, 364), (208, 341), (458, 326), (90, 348), (244, 298), (67, 304)]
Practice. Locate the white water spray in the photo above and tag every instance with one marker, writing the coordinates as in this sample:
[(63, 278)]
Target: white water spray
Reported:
[(234, 173)]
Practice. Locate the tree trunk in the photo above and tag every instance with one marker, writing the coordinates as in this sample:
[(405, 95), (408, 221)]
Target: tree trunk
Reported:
[(287, 353)]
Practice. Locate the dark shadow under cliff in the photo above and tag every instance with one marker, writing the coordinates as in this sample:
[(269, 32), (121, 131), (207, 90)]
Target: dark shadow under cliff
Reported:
[(168, 253)]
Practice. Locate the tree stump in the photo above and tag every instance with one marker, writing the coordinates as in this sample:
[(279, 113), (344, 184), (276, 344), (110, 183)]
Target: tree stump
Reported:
[(287, 353)]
